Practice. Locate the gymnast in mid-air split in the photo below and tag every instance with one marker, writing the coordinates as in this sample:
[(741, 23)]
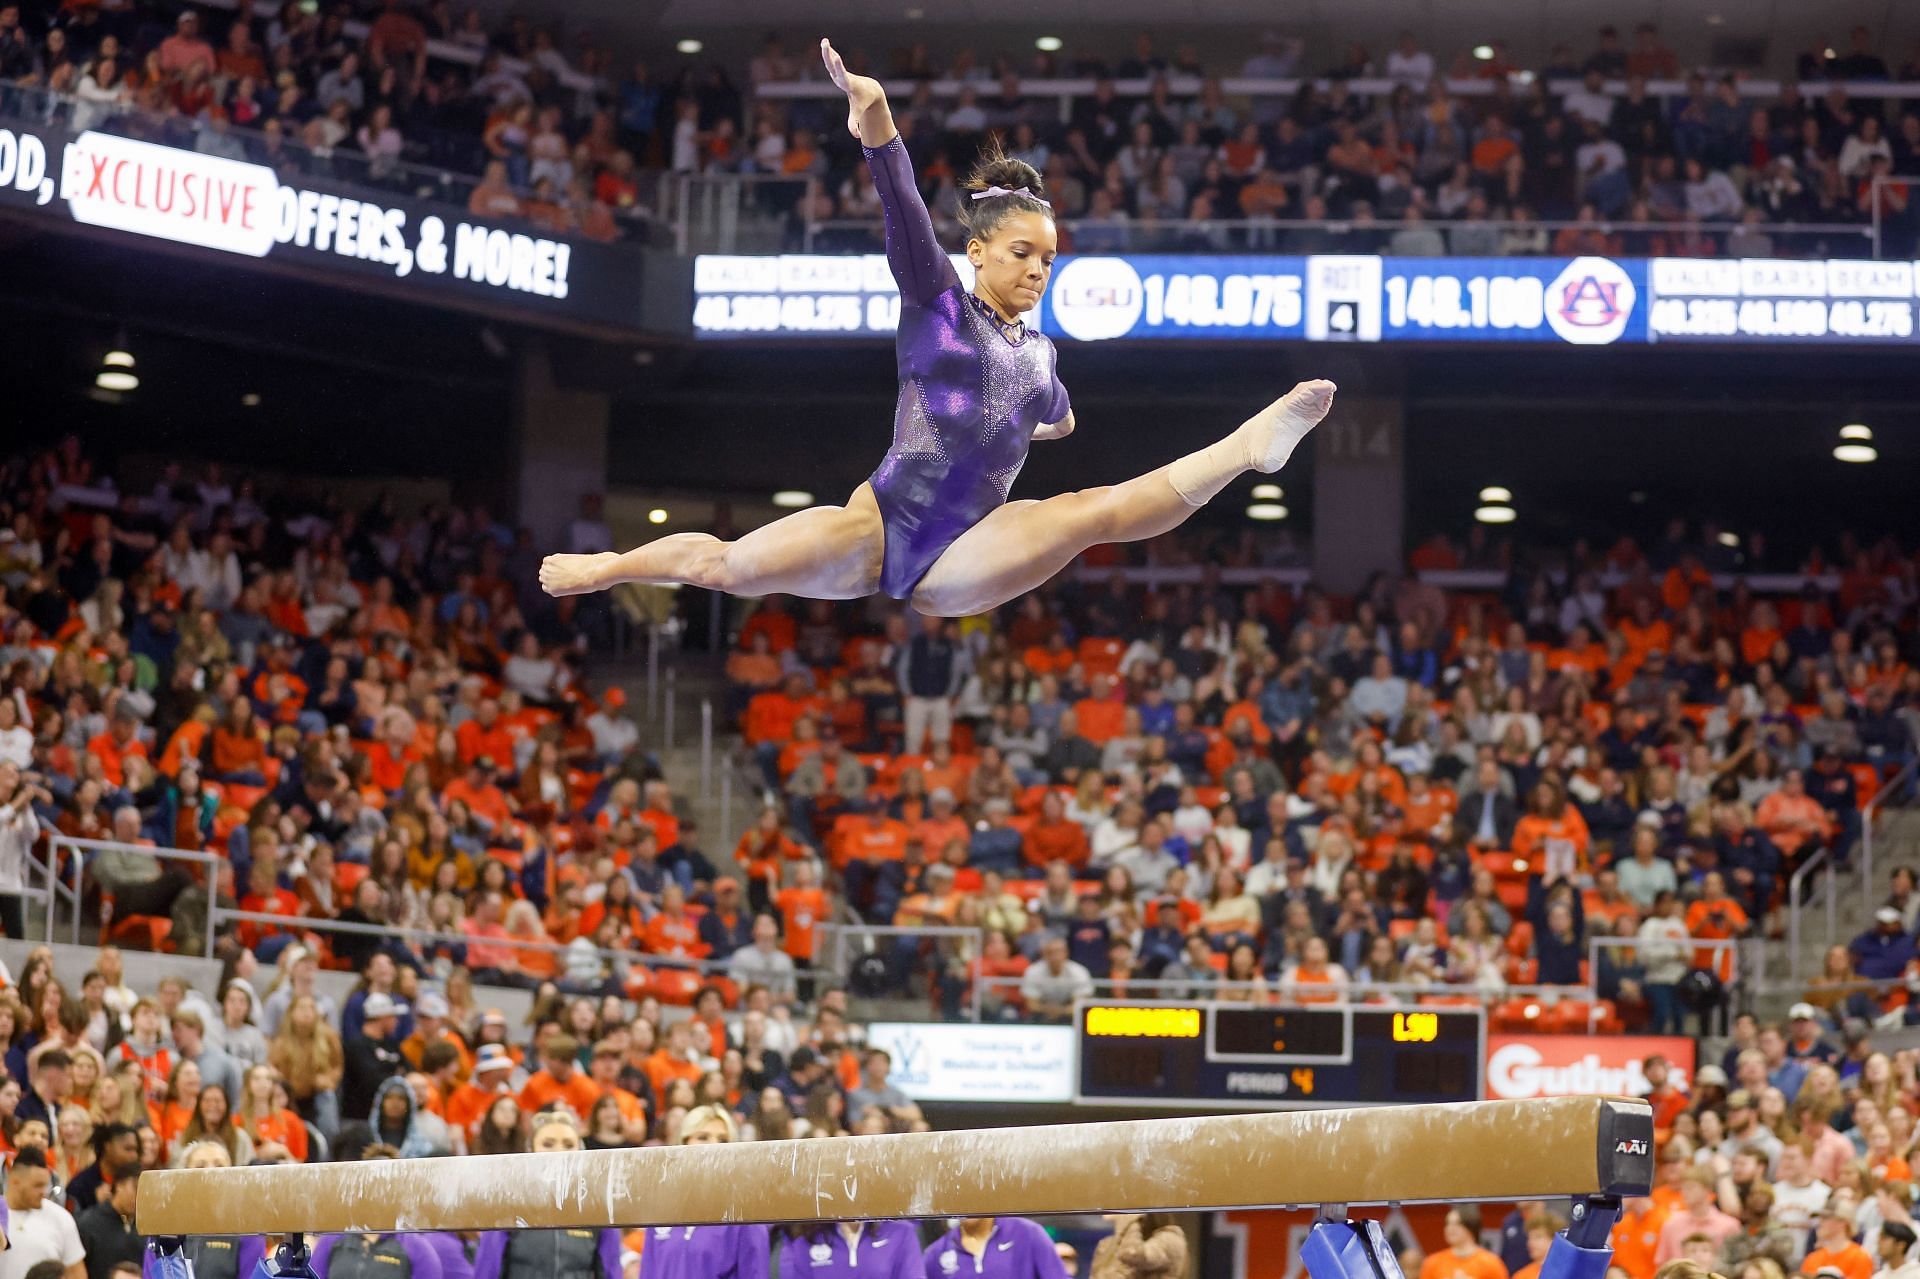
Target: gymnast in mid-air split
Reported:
[(933, 524)]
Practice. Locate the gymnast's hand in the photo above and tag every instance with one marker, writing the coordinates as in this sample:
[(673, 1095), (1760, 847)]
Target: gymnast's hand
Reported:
[(1055, 430), (862, 91)]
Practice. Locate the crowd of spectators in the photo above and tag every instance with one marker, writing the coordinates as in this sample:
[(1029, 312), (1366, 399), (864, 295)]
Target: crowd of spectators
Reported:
[(1702, 173), (1411, 789), (351, 92), (556, 134)]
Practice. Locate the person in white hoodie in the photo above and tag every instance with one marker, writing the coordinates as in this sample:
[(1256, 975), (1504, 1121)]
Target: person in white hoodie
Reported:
[(19, 827)]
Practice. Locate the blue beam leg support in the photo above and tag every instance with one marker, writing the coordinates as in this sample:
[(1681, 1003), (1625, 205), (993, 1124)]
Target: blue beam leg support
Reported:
[(1584, 1249), (1350, 1250)]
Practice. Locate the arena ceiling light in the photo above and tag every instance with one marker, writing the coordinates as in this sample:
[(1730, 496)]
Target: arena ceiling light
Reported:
[(792, 499), (1856, 444), (689, 46), (1049, 44), (1491, 514), (116, 371), (1495, 493), (1730, 539), (1483, 52), (1267, 511), (251, 399), (1267, 493), (658, 515)]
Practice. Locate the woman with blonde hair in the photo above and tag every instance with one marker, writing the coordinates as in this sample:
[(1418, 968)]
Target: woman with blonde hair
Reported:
[(86, 1071), (536, 1254), (263, 1116), (723, 1252), (306, 1052), (72, 1143)]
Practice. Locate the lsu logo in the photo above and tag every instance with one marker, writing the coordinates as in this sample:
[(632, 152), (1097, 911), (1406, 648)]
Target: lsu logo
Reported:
[(1095, 299), (1590, 302), (1630, 1146)]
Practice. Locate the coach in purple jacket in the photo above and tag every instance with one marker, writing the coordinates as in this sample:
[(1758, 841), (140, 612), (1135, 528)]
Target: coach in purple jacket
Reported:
[(706, 1252)]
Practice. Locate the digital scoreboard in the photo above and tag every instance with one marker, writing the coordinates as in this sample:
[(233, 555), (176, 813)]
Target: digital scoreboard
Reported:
[(1236, 1055)]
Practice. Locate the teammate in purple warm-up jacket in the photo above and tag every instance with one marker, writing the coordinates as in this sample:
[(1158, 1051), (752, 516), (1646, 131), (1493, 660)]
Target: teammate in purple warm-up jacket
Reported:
[(853, 1250), (996, 1247), (706, 1252)]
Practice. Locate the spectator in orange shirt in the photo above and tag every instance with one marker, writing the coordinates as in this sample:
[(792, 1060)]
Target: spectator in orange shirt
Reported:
[(943, 823), (1663, 1094), (672, 931), (559, 1079), (763, 854), (802, 908), (875, 872), (1833, 1240), (1463, 1257), (466, 1104), (1636, 1237), (1552, 837), (484, 734), (265, 897), (772, 620), (752, 669), (676, 1058), (604, 1070), (485, 799), (1795, 821), (1541, 1228), (238, 750), (1055, 837), (1714, 916), (1100, 715), (119, 741)]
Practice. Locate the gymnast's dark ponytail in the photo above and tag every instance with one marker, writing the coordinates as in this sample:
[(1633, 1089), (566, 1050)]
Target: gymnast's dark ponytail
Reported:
[(996, 168)]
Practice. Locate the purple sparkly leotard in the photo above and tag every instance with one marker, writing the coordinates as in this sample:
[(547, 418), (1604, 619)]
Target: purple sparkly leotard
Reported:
[(969, 396)]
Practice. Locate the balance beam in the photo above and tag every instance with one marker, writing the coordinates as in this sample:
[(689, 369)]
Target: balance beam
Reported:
[(1390, 1154)]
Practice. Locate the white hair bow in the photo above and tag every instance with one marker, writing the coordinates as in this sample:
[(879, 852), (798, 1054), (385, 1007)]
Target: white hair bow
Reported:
[(990, 192)]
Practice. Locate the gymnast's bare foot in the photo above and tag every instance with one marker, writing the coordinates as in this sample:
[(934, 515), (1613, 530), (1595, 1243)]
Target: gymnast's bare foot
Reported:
[(577, 574), (862, 91)]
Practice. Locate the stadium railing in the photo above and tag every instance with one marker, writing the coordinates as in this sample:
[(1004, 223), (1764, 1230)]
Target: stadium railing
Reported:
[(71, 889), (1278, 91), (1292, 235)]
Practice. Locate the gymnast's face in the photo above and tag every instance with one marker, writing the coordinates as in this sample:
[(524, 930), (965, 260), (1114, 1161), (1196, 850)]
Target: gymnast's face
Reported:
[(1012, 267)]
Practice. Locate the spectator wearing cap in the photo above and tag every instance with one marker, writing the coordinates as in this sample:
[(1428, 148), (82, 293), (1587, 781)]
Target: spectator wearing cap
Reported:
[(301, 968), (1895, 1251), (431, 1026), (372, 1055), (1745, 1131), (726, 927), (467, 1103), (1834, 1250), (186, 48), (1883, 952), (1804, 1040)]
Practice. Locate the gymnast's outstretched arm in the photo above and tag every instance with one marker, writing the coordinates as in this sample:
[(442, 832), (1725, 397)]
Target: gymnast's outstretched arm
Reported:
[(920, 266)]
